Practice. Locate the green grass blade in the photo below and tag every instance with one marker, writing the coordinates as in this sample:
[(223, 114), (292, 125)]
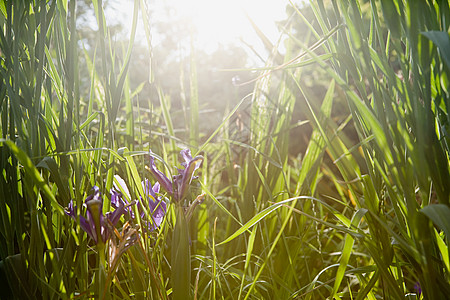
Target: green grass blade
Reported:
[(347, 251), (34, 173), (439, 214)]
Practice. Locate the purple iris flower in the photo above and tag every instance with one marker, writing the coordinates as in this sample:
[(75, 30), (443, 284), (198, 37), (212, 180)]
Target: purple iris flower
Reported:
[(418, 288), (94, 215), (178, 187), (118, 199), (156, 205)]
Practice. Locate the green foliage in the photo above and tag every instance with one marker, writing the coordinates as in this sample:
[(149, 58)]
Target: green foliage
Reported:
[(329, 180), (392, 81)]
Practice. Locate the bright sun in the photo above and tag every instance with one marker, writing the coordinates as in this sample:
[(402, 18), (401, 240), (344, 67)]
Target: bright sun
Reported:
[(224, 21)]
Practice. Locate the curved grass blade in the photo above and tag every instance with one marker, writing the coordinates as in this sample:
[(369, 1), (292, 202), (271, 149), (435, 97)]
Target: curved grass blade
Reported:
[(440, 215), (347, 251), (34, 173), (259, 216)]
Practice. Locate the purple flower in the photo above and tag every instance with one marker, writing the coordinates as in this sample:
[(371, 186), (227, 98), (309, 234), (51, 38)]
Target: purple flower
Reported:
[(96, 224), (120, 196), (156, 205), (178, 187), (418, 288)]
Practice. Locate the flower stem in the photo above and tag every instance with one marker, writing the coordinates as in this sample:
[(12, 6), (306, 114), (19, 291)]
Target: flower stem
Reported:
[(181, 257), (101, 276)]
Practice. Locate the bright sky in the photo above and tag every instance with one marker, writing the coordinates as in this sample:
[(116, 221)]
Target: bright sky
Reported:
[(223, 21)]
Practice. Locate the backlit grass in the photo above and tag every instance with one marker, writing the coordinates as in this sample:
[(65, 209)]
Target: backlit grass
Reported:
[(357, 210)]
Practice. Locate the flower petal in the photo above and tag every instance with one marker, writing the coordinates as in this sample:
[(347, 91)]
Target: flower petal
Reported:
[(114, 216), (159, 213), (94, 213), (156, 205), (116, 198), (185, 176), (71, 210), (88, 228), (159, 176), (148, 190)]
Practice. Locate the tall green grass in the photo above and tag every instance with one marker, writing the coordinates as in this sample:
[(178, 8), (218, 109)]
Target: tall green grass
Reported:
[(361, 213), (390, 62)]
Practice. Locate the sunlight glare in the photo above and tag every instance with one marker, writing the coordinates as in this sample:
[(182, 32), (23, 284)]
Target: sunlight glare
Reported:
[(223, 22)]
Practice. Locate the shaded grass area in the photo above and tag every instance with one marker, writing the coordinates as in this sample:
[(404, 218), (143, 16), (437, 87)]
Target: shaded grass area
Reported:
[(361, 213)]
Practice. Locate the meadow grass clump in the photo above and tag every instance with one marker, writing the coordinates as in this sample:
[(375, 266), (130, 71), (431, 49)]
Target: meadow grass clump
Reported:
[(332, 186), (389, 62)]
